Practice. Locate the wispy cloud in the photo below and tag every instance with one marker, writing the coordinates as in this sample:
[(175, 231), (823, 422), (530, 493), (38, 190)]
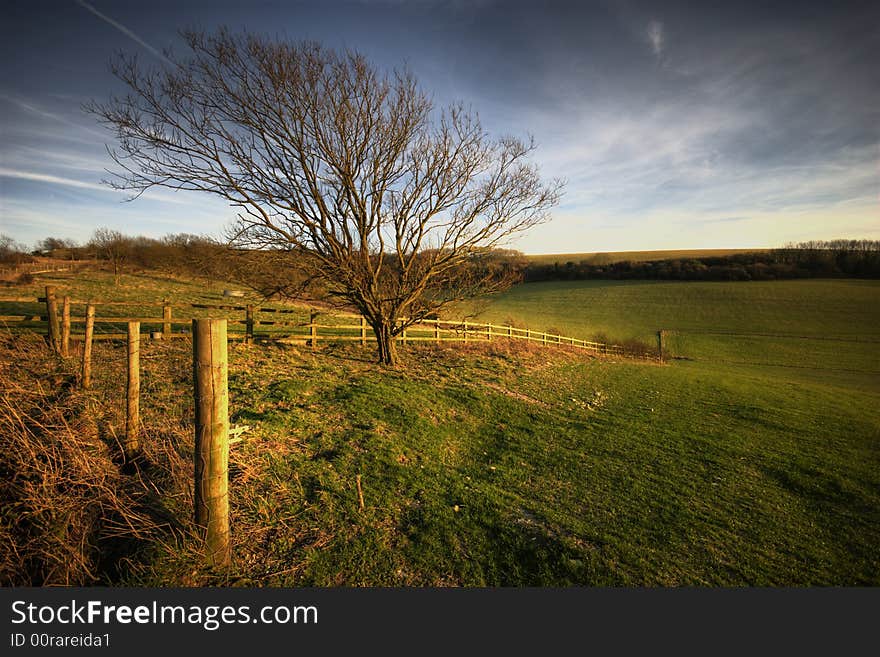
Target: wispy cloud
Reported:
[(33, 109), (719, 220), (656, 37), (161, 196), (35, 158), (56, 215), (53, 180), (127, 32)]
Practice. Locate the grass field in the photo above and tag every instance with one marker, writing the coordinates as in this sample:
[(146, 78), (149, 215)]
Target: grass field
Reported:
[(825, 329), (607, 258), (513, 465)]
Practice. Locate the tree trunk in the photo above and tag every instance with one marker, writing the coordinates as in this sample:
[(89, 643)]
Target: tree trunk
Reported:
[(386, 343)]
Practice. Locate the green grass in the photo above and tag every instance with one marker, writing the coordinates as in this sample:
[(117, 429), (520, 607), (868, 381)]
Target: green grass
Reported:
[(536, 468), (824, 328), (831, 308), (756, 461), (148, 288)]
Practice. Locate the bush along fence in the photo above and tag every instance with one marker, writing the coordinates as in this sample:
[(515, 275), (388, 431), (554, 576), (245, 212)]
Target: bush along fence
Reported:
[(256, 323)]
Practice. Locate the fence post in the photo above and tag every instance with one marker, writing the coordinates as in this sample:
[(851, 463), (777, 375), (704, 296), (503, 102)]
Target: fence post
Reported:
[(363, 331), (87, 348), (489, 332), (528, 335), (65, 326), (166, 319), (249, 324), (509, 332), (133, 389), (543, 338), (660, 345), (210, 379), (465, 331), (52, 317), (403, 332), (437, 330)]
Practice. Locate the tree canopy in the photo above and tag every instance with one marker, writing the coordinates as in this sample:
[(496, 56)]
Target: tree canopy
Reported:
[(393, 203)]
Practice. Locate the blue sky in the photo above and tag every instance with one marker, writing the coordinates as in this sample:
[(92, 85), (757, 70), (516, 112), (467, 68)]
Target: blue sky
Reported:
[(676, 125)]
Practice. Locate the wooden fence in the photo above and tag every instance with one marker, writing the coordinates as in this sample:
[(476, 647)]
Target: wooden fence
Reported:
[(252, 322), (41, 267), (210, 373)]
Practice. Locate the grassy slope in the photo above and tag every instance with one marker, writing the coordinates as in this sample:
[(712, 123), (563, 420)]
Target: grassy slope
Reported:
[(147, 287), (636, 308), (536, 468), (529, 466), (826, 329)]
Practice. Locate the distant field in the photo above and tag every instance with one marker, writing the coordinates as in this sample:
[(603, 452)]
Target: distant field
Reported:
[(607, 258), (147, 286), (830, 327)]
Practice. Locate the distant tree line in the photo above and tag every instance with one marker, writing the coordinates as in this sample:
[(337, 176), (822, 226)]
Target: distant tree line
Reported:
[(278, 273), (192, 255), (182, 253), (12, 252), (815, 259), (273, 273)]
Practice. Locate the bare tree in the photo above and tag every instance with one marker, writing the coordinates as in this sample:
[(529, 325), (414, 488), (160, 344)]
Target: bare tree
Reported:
[(391, 202), (57, 247), (12, 252), (113, 246)]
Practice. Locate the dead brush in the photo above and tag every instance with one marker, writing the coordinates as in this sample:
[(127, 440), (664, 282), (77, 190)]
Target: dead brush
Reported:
[(68, 509)]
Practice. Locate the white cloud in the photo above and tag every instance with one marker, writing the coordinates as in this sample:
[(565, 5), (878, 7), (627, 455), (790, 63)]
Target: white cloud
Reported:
[(33, 109), (656, 37), (28, 221), (53, 180), (159, 195)]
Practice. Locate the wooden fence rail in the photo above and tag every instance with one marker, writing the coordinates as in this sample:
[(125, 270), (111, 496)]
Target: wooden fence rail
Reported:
[(310, 331)]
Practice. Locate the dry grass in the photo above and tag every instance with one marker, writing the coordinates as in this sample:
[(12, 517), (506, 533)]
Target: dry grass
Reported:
[(73, 512), (76, 512)]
